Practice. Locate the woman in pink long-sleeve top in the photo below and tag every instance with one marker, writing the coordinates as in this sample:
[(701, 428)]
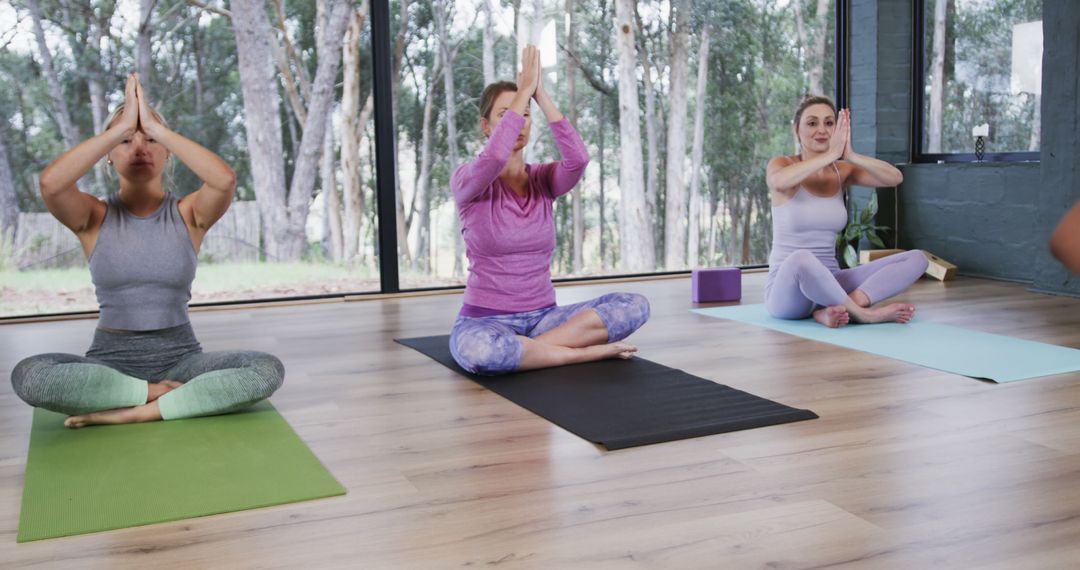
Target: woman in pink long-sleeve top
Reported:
[(509, 320)]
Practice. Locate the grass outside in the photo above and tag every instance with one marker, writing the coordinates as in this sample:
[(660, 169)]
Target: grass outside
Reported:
[(24, 293)]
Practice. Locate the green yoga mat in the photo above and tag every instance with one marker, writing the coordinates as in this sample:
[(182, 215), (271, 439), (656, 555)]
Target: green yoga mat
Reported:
[(109, 477), (951, 349)]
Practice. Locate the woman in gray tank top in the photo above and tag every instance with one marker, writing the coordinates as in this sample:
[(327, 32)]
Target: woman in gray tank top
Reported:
[(808, 210), (144, 363)]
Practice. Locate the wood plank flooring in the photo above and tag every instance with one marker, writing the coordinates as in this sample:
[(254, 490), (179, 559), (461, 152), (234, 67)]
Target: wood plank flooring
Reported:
[(907, 467)]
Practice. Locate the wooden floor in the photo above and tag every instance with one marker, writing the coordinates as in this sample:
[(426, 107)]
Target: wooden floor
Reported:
[(907, 467)]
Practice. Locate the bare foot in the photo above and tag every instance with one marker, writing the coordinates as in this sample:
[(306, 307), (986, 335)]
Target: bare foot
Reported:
[(159, 389), (833, 317), (613, 350), (893, 312), (144, 413)]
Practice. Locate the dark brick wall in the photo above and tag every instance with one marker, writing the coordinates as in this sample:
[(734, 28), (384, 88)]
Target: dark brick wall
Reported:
[(992, 220), (1060, 136), (979, 216)]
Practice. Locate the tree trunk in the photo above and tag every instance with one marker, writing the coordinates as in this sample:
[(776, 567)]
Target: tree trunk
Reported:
[(143, 46), (802, 34), (747, 216), (538, 18), (516, 4), (602, 127), (451, 116), (577, 256), (289, 54), (200, 71), (817, 54), (395, 82), (489, 41), (1036, 123), (9, 201), (332, 222), (331, 203), (675, 226), (56, 90), (714, 202), (350, 140), (322, 99), (636, 245), (535, 35), (88, 59), (258, 85), (652, 137), (698, 150), (937, 79), (422, 259)]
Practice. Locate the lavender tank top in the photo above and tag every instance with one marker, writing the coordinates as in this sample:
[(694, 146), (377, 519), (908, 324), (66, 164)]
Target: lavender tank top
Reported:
[(808, 222), (142, 267)]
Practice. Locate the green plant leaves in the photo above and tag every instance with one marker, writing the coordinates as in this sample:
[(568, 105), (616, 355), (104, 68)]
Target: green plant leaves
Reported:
[(860, 226), (851, 258)]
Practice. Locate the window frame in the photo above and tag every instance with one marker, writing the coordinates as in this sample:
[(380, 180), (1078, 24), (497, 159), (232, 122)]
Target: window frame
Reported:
[(386, 172), (918, 102)]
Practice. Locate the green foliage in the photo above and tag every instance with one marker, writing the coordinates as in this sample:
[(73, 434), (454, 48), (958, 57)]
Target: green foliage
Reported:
[(860, 225), (977, 76), (757, 72)]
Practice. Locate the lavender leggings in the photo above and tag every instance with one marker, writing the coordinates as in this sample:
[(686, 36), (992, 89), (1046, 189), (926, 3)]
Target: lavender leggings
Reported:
[(803, 283), (489, 345)]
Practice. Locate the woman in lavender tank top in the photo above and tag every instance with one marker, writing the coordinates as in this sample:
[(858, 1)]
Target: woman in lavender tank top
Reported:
[(807, 191), (509, 320)]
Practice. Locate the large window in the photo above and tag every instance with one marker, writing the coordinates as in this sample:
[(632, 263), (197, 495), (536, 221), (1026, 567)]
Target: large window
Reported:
[(303, 226), (981, 64), (711, 90)]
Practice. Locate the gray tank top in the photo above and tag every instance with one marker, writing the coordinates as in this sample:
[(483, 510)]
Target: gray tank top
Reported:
[(142, 267)]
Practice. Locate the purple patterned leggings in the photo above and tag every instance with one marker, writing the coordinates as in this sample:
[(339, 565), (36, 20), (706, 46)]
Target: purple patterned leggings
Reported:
[(802, 283), (489, 345)]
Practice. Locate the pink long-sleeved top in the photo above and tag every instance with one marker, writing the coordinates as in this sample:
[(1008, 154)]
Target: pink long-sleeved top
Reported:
[(509, 239)]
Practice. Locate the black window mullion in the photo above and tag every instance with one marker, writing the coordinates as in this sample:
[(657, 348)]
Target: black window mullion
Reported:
[(385, 160), (841, 69), (918, 77)]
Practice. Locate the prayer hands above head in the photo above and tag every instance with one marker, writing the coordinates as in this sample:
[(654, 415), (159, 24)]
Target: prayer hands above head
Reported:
[(529, 79), (148, 123), (541, 91), (129, 118)]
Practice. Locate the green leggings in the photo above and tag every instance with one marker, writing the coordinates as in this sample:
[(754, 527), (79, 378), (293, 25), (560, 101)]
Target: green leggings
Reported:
[(119, 365)]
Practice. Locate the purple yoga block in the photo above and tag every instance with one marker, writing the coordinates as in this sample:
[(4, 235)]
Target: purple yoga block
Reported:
[(720, 284)]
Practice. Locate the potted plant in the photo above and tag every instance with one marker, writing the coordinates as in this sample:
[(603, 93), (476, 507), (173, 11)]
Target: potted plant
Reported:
[(860, 225)]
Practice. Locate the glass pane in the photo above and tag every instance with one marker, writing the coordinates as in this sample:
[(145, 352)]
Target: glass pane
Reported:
[(758, 59), (276, 240), (983, 67)]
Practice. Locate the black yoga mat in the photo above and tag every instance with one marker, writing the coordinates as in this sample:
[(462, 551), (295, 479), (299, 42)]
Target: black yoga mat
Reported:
[(624, 403)]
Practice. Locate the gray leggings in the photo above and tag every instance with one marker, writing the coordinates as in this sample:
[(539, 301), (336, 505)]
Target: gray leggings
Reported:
[(117, 367)]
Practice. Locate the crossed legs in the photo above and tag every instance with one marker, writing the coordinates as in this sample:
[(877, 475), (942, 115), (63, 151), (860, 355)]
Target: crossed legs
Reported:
[(582, 332), (94, 393), (804, 287)]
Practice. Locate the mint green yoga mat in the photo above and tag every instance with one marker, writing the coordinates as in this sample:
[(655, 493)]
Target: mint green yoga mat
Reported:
[(109, 477), (951, 349)]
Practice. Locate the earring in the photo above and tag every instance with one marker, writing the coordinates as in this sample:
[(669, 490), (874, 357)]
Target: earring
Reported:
[(109, 161)]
